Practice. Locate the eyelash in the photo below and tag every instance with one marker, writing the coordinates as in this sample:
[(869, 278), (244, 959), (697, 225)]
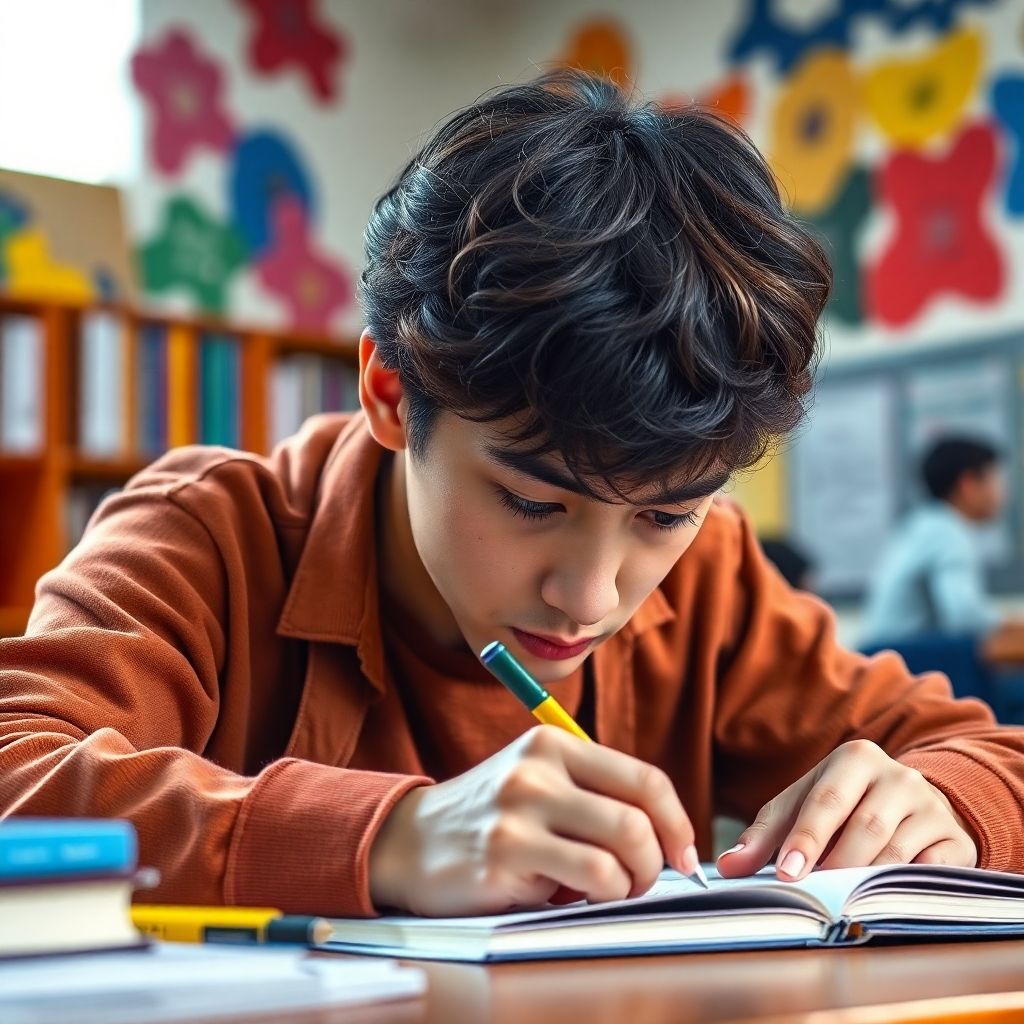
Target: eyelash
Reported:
[(536, 510)]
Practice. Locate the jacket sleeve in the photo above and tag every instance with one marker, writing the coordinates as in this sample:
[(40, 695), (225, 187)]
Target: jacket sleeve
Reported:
[(108, 701), (789, 694)]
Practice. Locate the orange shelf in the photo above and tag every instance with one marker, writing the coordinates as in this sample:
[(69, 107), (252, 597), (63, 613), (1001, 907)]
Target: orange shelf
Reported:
[(84, 467), (340, 349), (9, 462)]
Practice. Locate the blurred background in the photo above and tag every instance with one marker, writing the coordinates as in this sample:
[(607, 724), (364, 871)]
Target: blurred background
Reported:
[(184, 186)]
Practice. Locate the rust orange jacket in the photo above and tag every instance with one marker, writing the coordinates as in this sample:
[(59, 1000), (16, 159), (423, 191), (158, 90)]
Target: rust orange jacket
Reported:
[(209, 662)]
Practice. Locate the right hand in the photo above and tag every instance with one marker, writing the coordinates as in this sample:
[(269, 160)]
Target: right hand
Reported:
[(548, 812)]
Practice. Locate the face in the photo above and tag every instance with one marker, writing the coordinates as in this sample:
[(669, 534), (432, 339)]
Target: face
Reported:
[(983, 494), (513, 552)]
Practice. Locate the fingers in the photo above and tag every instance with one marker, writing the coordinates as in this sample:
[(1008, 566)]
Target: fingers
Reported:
[(622, 829), (589, 870), (884, 822), (825, 810), (632, 781), (911, 838)]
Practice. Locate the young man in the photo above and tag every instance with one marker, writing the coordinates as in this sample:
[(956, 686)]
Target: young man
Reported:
[(930, 579), (582, 317)]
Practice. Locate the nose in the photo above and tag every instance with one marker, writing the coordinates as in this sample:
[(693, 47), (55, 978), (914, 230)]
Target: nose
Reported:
[(583, 584)]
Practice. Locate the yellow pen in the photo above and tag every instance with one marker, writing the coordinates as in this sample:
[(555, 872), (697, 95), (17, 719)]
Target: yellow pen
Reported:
[(237, 925), (542, 705), (497, 657)]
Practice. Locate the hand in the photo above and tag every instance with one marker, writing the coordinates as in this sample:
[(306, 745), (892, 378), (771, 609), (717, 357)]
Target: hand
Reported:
[(857, 807), (548, 812)]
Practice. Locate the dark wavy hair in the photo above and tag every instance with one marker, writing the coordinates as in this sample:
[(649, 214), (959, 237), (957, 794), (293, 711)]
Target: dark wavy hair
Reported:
[(619, 280)]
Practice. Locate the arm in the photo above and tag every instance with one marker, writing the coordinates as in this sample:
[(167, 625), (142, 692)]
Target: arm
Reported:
[(789, 696), (109, 701)]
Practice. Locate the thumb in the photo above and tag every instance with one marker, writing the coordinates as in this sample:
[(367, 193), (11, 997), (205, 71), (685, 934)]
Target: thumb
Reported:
[(759, 842)]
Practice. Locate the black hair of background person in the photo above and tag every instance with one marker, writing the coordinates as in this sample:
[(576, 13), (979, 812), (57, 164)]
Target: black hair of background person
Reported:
[(949, 458), (794, 565), (622, 282)]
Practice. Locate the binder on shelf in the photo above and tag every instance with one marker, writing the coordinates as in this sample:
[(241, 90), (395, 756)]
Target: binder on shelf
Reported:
[(151, 389), (101, 412), (21, 384), (219, 370), (180, 386)]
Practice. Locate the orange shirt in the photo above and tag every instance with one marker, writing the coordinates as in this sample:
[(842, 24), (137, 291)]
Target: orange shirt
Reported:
[(209, 662)]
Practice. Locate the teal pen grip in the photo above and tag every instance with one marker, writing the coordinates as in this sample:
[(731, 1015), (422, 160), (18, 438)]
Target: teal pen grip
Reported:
[(498, 659)]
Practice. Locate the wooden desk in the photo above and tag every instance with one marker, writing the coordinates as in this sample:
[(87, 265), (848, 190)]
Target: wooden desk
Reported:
[(754, 988)]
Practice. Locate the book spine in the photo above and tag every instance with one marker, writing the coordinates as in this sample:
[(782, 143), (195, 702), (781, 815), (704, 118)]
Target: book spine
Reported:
[(24, 855), (21, 384), (101, 385), (285, 398), (180, 384)]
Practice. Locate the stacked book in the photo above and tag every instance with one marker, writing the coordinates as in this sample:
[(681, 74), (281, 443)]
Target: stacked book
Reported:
[(303, 384), (21, 384), (66, 886)]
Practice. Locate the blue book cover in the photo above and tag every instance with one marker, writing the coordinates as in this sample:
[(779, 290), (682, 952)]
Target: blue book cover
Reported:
[(219, 391), (62, 847)]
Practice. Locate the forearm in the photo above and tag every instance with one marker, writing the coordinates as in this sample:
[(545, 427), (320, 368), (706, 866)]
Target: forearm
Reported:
[(296, 836)]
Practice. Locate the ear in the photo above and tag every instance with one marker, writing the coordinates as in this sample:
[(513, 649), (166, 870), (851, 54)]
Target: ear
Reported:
[(380, 395)]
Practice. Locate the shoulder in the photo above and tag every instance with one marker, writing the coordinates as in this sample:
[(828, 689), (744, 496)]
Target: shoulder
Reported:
[(207, 479)]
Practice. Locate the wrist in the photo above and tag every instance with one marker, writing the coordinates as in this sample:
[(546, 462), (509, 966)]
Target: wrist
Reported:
[(392, 854)]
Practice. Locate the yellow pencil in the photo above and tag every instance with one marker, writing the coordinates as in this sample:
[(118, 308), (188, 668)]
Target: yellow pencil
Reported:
[(238, 925)]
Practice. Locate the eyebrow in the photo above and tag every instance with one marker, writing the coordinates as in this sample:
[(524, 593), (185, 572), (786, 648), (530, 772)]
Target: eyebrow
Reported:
[(534, 466)]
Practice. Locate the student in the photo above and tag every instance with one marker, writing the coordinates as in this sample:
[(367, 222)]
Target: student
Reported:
[(930, 579), (582, 316)]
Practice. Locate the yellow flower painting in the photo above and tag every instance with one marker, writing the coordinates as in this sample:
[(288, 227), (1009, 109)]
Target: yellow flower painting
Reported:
[(812, 130), (917, 100)]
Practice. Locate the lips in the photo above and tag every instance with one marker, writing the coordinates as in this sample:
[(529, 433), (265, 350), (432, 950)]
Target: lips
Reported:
[(552, 650)]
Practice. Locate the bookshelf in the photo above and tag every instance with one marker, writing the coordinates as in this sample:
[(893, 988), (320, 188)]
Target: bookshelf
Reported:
[(89, 395)]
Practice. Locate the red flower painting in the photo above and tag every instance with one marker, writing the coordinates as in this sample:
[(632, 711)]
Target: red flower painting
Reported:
[(941, 245), (286, 33), (312, 286), (183, 89)]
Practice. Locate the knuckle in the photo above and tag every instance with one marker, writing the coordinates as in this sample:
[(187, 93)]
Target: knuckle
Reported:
[(654, 783), (861, 748), (827, 797), (634, 827), (807, 834), (523, 785), (544, 740), (895, 852), (504, 836), (603, 875), (872, 823)]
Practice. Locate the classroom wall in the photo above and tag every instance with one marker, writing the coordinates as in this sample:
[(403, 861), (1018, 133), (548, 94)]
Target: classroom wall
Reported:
[(904, 90)]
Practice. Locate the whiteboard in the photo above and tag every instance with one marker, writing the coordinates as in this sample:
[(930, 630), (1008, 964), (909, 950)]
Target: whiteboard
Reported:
[(843, 477)]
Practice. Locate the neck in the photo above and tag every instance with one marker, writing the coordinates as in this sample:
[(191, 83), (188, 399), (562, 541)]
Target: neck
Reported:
[(403, 577)]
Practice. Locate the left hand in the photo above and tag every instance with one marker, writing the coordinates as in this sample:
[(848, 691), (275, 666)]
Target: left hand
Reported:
[(856, 807)]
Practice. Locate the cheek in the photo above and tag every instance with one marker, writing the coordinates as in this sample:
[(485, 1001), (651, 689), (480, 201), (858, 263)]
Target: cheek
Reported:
[(467, 544)]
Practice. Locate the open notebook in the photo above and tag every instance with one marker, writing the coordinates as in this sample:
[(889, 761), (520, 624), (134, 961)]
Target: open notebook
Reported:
[(838, 907)]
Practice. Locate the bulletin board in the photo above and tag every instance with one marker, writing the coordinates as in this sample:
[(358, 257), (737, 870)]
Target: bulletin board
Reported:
[(853, 467)]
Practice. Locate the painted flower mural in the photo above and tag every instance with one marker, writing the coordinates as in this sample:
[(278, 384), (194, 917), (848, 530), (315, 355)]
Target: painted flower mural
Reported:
[(313, 287), (182, 87), (1008, 105), (812, 130), (602, 47), (289, 34), (193, 252), (941, 244), (915, 101), (839, 227)]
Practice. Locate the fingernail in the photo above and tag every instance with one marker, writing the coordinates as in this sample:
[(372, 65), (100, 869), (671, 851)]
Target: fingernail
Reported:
[(733, 849), (690, 860), (793, 863)]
